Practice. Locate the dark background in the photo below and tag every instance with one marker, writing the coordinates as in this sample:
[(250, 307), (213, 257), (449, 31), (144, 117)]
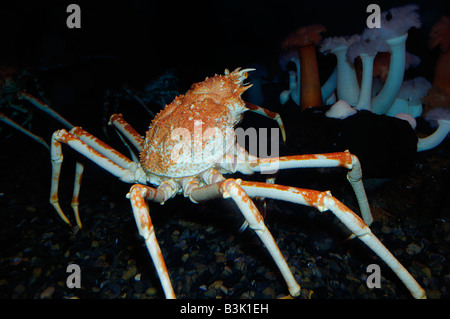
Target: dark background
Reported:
[(135, 41)]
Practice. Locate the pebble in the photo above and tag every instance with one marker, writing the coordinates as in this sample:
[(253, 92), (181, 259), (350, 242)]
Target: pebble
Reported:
[(269, 292), (386, 229), (151, 291), (47, 293), (227, 271), (37, 272), (413, 249), (434, 294), (19, 289), (185, 257), (131, 272)]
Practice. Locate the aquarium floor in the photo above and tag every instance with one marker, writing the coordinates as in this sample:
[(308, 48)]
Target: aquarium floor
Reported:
[(206, 256)]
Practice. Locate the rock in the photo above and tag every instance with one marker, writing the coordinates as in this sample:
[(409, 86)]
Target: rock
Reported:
[(185, 257), (131, 272), (47, 293), (217, 284), (426, 272), (413, 249), (220, 257), (227, 271), (19, 289), (386, 229), (151, 291), (434, 294), (37, 272), (269, 292)]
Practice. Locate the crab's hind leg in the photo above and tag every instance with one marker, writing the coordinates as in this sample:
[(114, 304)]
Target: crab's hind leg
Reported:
[(324, 201), (45, 108)]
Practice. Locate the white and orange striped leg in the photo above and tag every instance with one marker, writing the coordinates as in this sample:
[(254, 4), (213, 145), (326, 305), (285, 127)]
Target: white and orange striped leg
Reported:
[(138, 195), (45, 108), (95, 150), (229, 188), (127, 130), (248, 163), (324, 201), (272, 115)]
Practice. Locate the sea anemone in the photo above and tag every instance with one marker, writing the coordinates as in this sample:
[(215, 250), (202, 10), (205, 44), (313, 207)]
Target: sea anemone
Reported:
[(439, 117), (395, 24), (439, 95), (304, 40), (347, 82), (367, 51), (409, 98)]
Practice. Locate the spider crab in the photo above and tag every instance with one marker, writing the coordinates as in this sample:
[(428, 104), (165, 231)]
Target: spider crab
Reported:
[(177, 163)]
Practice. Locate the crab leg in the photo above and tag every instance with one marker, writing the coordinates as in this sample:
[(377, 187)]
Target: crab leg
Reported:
[(44, 107), (62, 136), (229, 188), (101, 147), (13, 124), (272, 115), (127, 130), (79, 168), (340, 159), (324, 201), (138, 195)]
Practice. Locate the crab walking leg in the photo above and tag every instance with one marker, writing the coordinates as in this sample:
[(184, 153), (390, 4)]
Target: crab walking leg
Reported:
[(101, 147), (7, 120), (340, 159), (129, 175), (105, 150), (79, 168), (127, 130), (230, 188), (56, 157), (138, 195), (272, 115), (324, 201), (45, 108)]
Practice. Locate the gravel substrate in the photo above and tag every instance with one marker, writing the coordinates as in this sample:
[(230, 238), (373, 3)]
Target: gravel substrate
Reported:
[(205, 254)]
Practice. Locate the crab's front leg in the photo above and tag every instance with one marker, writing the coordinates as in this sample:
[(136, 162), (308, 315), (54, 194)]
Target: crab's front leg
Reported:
[(324, 201), (138, 195), (230, 188), (272, 115), (93, 149)]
